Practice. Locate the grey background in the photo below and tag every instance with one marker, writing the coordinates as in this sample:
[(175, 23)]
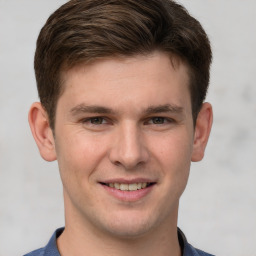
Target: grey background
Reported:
[(217, 211)]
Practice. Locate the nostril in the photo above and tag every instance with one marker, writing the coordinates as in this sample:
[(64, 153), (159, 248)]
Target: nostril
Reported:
[(117, 163)]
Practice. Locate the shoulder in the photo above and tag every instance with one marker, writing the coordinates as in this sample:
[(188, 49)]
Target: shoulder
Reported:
[(51, 248), (38, 252), (189, 250)]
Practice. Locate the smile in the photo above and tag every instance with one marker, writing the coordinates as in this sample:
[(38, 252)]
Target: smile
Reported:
[(128, 191), (128, 187)]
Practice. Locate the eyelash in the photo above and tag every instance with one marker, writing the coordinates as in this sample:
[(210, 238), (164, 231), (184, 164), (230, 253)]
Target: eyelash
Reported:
[(91, 119), (151, 120), (164, 120)]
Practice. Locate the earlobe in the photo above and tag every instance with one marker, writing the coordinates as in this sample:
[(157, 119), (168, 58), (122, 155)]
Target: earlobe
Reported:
[(202, 132), (42, 133)]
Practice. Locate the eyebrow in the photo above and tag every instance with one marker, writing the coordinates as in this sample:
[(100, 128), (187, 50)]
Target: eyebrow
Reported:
[(82, 108), (166, 108)]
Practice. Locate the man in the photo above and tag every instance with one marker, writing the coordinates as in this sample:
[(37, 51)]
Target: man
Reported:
[(121, 86)]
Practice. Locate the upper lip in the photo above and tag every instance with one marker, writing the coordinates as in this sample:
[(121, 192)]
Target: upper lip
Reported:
[(128, 181)]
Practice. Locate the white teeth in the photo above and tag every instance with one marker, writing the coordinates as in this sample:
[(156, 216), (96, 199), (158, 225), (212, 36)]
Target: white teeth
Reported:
[(117, 185), (133, 187), (128, 187), (124, 187), (144, 185)]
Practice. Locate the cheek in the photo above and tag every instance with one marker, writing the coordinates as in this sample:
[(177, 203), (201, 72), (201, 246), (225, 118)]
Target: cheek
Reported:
[(173, 155), (173, 150), (78, 156)]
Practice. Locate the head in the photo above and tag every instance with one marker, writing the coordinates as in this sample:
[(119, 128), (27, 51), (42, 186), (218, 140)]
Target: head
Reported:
[(85, 31), (122, 84)]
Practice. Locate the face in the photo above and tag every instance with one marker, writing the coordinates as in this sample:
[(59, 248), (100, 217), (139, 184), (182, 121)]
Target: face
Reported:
[(124, 141)]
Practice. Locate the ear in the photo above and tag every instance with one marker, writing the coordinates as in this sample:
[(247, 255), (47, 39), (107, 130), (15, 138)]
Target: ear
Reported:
[(42, 133), (202, 132)]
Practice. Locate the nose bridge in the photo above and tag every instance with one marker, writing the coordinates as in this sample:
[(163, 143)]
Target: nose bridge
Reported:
[(128, 149)]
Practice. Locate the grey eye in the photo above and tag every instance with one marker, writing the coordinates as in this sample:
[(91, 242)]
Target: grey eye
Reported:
[(96, 120), (158, 120)]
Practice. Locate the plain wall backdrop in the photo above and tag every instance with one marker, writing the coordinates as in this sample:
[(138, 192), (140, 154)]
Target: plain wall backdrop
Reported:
[(218, 208)]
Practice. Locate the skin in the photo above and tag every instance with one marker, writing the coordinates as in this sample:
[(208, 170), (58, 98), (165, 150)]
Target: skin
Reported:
[(123, 120)]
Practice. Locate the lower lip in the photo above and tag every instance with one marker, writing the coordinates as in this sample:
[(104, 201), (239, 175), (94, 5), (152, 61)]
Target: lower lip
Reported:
[(129, 196)]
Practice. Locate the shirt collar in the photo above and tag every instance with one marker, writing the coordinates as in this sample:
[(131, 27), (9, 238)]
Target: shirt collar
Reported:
[(51, 248)]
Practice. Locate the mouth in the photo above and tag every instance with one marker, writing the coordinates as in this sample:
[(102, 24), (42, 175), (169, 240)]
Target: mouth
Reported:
[(129, 187), (128, 190)]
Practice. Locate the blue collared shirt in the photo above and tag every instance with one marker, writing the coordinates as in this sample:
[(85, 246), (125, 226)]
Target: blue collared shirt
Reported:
[(51, 248)]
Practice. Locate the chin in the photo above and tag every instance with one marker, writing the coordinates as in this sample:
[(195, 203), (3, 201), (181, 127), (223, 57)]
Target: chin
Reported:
[(129, 232), (130, 227)]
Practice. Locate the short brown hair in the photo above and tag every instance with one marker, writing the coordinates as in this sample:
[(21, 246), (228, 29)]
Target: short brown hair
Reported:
[(81, 31)]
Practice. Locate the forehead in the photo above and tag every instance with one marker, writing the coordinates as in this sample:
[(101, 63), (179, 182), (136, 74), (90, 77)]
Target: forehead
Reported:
[(140, 77), (117, 65)]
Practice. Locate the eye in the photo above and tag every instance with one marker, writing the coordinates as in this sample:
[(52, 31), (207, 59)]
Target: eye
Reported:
[(98, 120), (158, 120)]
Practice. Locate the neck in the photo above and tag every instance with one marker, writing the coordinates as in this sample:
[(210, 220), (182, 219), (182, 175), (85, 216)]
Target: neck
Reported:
[(81, 236), (74, 243)]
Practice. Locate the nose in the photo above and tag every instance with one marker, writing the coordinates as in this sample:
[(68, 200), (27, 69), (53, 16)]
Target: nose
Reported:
[(128, 149)]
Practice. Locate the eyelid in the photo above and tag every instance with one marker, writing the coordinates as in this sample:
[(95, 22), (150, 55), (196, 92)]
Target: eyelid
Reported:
[(89, 119), (167, 120), (107, 120)]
